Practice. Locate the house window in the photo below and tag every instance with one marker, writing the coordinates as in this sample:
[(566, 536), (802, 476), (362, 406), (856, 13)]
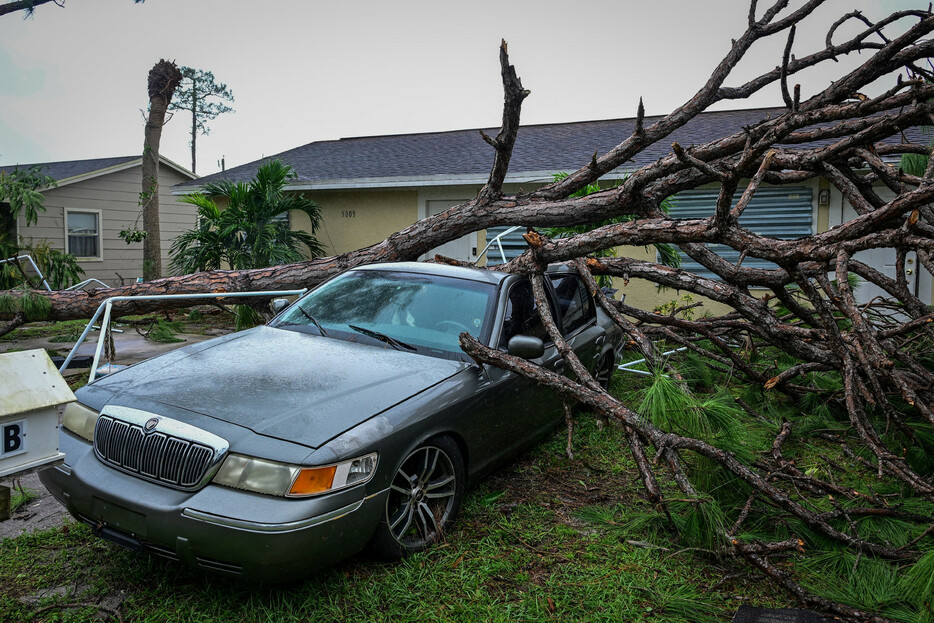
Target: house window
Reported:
[(83, 234), (783, 212)]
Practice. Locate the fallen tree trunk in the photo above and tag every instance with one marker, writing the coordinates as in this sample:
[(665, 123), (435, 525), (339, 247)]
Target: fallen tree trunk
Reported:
[(793, 327)]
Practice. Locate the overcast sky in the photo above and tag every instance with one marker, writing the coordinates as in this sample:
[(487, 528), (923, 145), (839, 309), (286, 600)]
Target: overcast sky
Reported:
[(73, 79)]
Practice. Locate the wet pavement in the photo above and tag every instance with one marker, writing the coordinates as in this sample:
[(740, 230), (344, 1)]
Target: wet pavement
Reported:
[(129, 346), (40, 513)]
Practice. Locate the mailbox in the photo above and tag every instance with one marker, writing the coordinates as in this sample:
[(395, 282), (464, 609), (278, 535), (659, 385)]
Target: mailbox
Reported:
[(32, 397)]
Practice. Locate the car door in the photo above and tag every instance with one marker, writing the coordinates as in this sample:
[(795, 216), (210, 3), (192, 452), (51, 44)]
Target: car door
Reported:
[(577, 311), (522, 409)]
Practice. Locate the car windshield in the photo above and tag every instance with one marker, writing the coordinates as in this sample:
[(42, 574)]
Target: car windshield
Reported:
[(396, 309)]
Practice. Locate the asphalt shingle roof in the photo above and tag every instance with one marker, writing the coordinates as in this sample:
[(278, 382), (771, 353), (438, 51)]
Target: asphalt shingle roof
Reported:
[(539, 149), (72, 168)]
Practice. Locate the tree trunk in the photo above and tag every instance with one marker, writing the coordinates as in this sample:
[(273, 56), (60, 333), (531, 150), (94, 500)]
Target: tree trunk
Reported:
[(21, 5), (164, 77), (194, 121)]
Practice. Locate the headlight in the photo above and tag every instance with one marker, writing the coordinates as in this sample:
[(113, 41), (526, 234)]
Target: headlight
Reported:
[(273, 478), (80, 420)]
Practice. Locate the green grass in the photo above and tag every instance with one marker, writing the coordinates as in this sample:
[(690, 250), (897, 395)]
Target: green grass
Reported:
[(164, 331), (70, 338), (20, 497), (522, 550), (547, 538), (46, 330)]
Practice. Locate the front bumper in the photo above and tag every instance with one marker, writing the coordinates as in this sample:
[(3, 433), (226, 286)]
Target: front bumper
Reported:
[(255, 536)]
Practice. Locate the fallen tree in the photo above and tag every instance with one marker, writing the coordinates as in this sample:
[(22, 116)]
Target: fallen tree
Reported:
[(868, 365)]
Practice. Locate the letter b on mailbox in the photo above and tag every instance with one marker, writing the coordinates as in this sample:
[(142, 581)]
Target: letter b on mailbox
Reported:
[(12, 438), (32, 397)]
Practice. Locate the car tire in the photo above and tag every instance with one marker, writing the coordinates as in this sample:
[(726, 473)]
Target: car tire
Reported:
[(424, 498), (604, 370)]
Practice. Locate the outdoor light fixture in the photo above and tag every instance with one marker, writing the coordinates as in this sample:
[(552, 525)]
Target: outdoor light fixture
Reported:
[(823, 197)]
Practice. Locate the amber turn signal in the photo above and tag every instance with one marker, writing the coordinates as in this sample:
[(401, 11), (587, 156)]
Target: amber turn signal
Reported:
[(313, 480)]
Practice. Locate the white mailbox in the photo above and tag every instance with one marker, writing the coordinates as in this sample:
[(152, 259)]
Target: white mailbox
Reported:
[(32, 397)]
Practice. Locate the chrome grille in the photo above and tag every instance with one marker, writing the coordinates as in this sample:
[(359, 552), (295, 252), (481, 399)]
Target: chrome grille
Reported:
[(173, 454)]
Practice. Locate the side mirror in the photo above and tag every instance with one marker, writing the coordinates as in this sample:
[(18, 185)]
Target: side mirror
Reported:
[(526, 347), (278, 305)]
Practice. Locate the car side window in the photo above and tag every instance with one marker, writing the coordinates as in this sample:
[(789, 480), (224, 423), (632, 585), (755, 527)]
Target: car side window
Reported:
[(522, 316), (574, 302)]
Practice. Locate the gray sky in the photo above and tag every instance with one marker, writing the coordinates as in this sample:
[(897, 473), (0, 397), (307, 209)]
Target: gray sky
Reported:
[(73, 79)]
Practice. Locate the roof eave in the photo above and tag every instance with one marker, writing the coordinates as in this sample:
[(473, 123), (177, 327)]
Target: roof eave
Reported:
[(123, 166), (409, 181)]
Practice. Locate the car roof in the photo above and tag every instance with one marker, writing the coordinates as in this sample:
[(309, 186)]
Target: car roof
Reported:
[(441, 270)]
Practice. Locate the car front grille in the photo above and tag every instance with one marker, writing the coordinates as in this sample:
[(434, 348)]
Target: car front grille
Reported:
[(171, 453)]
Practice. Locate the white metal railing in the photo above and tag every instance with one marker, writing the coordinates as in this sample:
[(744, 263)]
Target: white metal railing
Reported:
[(42, 277), (627, 367), (34, 267), (498, 242), (86, 282), (107, 305)]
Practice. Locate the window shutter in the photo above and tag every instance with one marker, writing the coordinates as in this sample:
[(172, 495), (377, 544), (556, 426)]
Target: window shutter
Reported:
[(513, 244), (783, 212)]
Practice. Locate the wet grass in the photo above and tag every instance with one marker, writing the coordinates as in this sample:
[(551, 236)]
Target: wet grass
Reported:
[(44, 329), (20, 497), (524, 549), (197, 321)]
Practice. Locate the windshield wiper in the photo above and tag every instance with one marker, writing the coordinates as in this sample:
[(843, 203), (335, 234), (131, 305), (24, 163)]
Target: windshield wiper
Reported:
[(315, 322), (382, 337)]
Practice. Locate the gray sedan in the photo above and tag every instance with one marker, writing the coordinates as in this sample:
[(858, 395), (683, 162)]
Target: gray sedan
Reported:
[(352, 418)]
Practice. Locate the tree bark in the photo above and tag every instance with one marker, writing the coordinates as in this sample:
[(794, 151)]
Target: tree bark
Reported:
[(21, 5), (164, 77), (194, 123)]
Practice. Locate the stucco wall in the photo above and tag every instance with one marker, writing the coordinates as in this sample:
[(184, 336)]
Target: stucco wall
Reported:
[(116, 197), (355, 219)]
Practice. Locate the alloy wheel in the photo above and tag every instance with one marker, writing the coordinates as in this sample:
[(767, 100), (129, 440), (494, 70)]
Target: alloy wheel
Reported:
[(422, 498)]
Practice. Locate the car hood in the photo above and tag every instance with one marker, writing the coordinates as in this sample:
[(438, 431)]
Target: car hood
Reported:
[(292, 386)]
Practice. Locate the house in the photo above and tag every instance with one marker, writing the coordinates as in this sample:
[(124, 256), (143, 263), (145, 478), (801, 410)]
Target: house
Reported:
[(370, 187), (94, 200)]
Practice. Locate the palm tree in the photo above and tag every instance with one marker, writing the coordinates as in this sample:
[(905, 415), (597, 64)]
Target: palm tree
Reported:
[(250, 231)]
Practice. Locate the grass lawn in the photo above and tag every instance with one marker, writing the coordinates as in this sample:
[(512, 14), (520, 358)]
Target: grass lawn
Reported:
[(522, 550), (547, 538), (196, 321)]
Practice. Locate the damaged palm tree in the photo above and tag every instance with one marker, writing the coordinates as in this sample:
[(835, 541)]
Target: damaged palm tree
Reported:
[(856, 378), (164, 78)]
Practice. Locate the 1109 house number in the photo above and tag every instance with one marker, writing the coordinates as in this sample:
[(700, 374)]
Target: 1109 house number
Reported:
[(348, 213)]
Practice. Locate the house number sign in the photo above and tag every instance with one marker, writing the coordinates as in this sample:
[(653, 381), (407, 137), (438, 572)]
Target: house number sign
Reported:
[(348, 213)]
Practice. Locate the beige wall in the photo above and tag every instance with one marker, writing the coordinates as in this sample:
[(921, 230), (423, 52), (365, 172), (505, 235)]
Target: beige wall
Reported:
[(355, 219), (882, 259), (116, 197)]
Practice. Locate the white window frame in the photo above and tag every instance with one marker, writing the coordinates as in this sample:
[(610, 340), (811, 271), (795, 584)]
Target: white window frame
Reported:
[(100, 233)]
